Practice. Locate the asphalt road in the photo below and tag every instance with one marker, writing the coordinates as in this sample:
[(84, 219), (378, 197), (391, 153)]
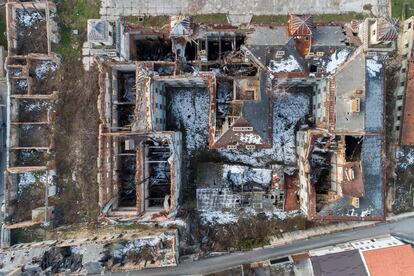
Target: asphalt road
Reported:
[(404, 226)]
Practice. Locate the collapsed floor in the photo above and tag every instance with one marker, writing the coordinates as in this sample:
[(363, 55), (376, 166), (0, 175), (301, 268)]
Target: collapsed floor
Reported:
[(189, 114), (32, 77), (404, 193), (98, 254)]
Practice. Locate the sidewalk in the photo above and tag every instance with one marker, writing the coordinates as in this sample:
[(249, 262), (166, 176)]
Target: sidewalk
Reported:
[(3, 101), (113, 9), (400, 216), (329, 229)]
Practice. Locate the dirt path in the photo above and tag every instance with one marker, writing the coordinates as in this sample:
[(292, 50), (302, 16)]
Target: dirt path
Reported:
[(76, 139)]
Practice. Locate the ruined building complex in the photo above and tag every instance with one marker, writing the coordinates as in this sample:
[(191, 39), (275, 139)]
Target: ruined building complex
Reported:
[(340, 162), (197, 127), (94, 254), (168, 94), (32, 90), (140, 150)]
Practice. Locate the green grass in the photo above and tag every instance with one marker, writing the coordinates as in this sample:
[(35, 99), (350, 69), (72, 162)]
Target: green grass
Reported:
[(321, 18), (3, 38), (402, 9), (73, 15), (340, 18), (155, 21), (69, 44), (250, 244), (269, 19), (212, 18)]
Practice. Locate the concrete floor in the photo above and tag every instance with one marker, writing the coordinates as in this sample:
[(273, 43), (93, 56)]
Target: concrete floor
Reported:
[(112, 9)]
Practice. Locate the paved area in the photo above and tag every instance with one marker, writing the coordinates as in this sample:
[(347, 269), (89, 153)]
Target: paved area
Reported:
[(404, 225), (3, 118), (112, 9)]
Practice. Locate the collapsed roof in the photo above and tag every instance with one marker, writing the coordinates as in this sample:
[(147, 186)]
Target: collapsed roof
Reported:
[(300, 25), (388, 29)]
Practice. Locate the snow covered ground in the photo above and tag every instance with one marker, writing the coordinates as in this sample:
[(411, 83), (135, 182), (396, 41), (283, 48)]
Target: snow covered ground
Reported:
[(29, 179), (373, 66), (243, 174), (44, 68), (136, 246), (336, 60), (25, 180), (289, 64), (405, 157), (288, 110), (250, 138), (404, 193), (218, 217), (189, 108), (22, 84), (28, 17), (169, 223), (221, 218), (35, 106)]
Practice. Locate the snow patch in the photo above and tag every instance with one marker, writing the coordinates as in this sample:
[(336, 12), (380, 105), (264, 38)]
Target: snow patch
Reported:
[(249, 211), (32, 178), (22, 84), (14, 72), (218, 217), (36, 106), (136, 246), (281, 215), (250, 138), (244, 174), (405, 157), (27, 18), (288, 111), (336, 60), (289, 64), (221, 218), (366, 213), (169, 223), (25, 180), (47, 178), (373, 66), (45, 67), (190, 110)]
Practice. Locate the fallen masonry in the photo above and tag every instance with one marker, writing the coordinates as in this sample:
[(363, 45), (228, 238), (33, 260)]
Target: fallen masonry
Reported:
[(93, 255)]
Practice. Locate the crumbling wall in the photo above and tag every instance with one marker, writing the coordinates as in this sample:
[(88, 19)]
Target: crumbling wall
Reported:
[(26, 193), (106, 182), (212, 85), (31, 113), (175, 168), (32, 75), (93, 255), (140, 178), (149, 106), (158, 105), (30, 27)]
